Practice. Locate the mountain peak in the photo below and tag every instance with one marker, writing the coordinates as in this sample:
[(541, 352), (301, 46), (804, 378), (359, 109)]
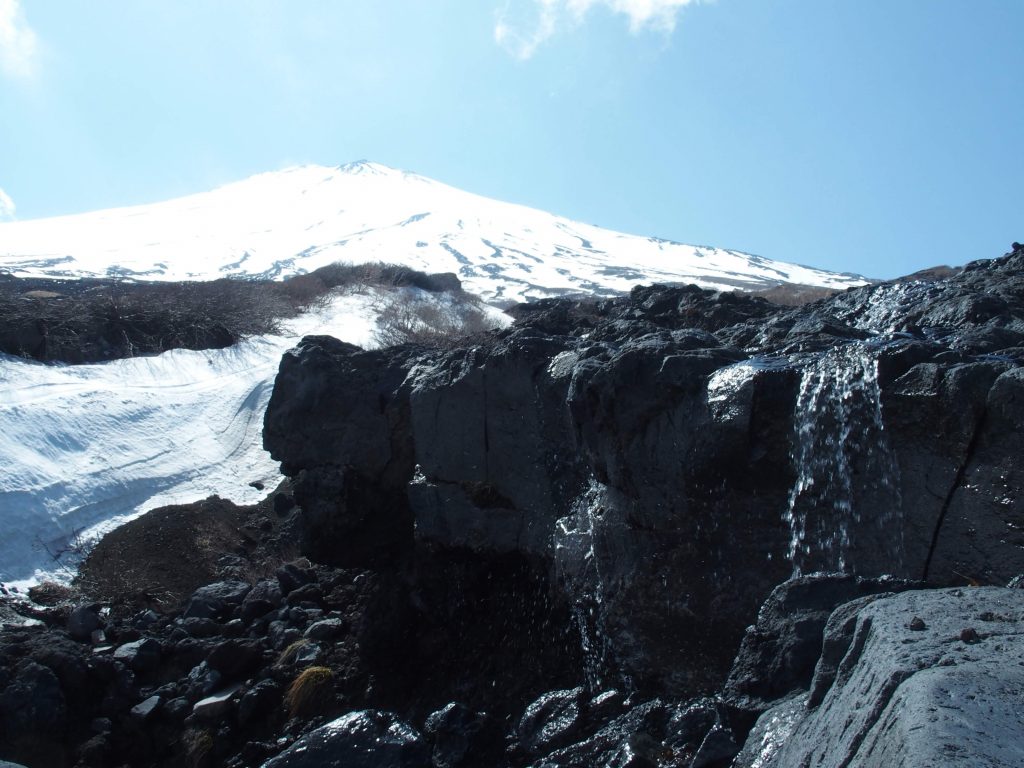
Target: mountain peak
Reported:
[(368, 167), (294, 221)]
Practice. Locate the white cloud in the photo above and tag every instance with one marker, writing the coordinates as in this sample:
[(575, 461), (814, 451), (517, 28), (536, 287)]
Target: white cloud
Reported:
[(6, 207), (509, 34), (18, 42), (655, 15)]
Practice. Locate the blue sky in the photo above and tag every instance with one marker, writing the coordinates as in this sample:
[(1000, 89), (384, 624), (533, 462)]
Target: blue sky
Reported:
[(874, 136)]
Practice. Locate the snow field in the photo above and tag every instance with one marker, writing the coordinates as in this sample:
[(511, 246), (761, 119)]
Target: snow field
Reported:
[(88, 447)]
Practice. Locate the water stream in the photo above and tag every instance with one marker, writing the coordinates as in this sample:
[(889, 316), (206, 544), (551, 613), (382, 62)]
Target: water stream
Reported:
[(578, 568), (846, 494)]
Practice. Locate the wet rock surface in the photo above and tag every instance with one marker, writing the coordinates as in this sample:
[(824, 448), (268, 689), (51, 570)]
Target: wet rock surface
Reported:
[(365, 739), (545, 547), (778, 655), (899, 696), (665, 459)]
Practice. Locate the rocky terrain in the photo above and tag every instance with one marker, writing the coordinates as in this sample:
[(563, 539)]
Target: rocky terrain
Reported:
[(82, 320), (573, 542)]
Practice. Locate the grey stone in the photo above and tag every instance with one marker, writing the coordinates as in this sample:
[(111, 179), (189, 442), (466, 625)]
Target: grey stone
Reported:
[(233, 628), (281, 635), (84, 620), (717, 748), (142, 656), (202, 680), (325, 629), (306, 654), (200, 627), (771, 731), (913, 698), (144, 710), (364, 739), (264, 597), (641, 736), (147, 618), (216, 705), (980, 535), (12, 618), (177, 709), (292, 576), (306, 593), (215, 600), (778, 654), (644, 452), (550, 722)]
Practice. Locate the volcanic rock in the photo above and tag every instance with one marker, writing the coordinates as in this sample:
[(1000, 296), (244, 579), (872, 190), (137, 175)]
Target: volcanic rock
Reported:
[(366, 739), (905, 697)]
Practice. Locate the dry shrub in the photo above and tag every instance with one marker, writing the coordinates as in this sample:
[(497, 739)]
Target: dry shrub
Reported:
[(411, 319), (288, 654), (304, 290), (311, 693), (794, 294), (50, 593), (93, 320), (379, 274)]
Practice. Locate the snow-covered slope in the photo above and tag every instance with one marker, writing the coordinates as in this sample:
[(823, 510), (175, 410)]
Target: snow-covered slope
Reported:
[(278, 224), (85, 447)]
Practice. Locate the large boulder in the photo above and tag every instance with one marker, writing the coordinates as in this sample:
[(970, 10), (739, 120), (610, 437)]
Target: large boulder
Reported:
[(217, 600), (779, 653), (365, 739), (921, 678)]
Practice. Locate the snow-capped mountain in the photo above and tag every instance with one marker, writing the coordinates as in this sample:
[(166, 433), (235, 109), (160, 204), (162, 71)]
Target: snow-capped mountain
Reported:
[(292, 221), (87, 446)]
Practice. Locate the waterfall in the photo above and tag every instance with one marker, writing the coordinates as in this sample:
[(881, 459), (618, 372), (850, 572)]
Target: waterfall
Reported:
[(577, 567), (845, 500)]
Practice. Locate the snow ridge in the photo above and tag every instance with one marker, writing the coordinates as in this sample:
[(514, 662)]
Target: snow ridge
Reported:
[(273, 225)]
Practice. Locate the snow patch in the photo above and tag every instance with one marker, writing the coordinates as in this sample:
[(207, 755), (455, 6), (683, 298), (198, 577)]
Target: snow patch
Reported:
[(88, 447)]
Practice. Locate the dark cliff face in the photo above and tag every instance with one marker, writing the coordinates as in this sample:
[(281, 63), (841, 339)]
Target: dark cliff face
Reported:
[(640, 472)]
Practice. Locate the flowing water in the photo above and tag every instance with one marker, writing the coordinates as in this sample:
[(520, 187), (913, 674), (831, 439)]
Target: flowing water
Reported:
[(578, 568), (846, 494)]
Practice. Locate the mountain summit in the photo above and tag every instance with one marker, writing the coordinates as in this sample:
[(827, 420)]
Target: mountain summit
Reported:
[(277, 224)]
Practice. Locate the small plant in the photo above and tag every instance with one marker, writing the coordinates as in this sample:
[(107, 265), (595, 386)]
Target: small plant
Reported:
[(310, 693), (288, 654)]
